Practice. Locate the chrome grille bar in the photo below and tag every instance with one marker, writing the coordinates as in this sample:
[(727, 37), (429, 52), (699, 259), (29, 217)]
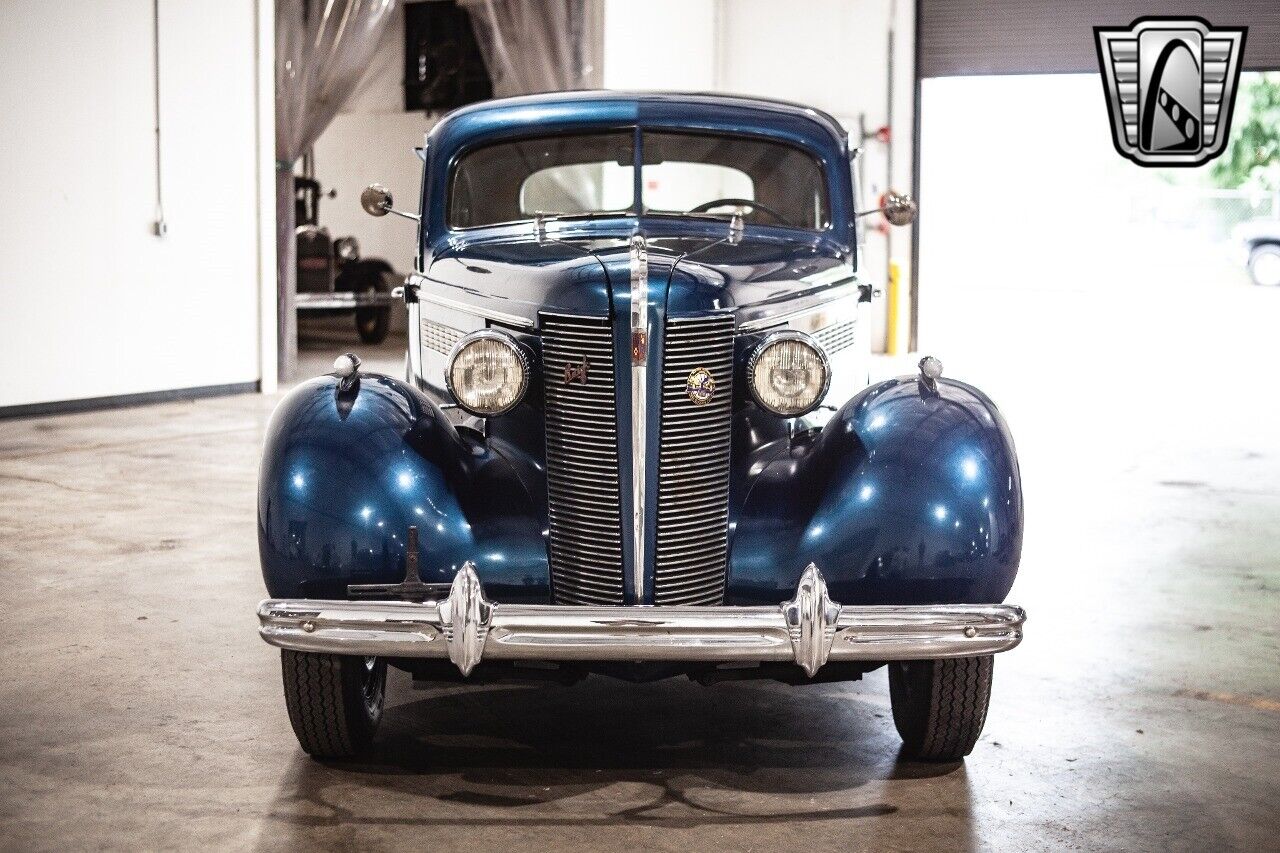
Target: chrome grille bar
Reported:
[(583, 498), (693, 464)]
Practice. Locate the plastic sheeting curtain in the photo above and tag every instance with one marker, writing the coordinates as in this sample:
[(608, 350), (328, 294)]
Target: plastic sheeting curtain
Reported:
[(323, 48), (537, 45)]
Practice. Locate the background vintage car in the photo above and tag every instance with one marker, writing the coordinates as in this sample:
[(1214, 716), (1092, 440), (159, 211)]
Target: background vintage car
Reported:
[(668, 409)]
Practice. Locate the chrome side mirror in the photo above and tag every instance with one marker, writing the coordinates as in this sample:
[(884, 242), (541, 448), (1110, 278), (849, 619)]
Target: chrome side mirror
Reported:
[(898, 208), (376, 201)]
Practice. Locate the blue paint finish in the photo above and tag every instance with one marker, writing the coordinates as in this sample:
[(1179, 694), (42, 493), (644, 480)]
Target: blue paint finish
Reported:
[(342, 480), (906, 496)]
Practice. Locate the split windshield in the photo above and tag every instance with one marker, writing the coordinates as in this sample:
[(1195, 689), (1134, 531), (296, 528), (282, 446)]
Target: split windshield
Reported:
[(768, 183)]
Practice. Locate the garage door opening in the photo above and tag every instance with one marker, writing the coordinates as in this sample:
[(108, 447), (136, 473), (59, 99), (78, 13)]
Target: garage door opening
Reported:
[(1045, 256)]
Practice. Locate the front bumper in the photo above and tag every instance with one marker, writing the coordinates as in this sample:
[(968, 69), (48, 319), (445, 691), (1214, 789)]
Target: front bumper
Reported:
[(810, 629)]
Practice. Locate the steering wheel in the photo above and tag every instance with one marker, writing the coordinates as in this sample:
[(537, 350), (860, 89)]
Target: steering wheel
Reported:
[(739, 202)]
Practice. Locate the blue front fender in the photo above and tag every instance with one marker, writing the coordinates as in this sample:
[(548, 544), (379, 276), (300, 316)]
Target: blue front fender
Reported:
[(344, 475), (907, 496)]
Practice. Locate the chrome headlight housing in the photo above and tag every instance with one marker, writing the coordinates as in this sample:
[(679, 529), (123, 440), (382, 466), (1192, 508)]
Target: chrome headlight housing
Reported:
[(487, 373), (788, 374), (346, 248)]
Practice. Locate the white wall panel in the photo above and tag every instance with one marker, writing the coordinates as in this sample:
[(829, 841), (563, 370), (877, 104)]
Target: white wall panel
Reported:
[(92, 303)]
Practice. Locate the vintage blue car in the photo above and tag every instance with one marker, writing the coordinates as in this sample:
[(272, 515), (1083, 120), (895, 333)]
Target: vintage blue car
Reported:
[(636, 438)]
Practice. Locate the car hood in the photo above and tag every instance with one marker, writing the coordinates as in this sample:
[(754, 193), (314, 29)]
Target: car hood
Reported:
[(521, 277)]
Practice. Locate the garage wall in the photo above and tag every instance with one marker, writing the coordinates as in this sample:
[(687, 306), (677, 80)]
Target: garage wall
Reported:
[(661, 44), (93, 303)]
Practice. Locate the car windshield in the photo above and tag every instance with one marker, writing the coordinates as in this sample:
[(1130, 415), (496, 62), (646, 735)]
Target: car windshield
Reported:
[(768, 183)]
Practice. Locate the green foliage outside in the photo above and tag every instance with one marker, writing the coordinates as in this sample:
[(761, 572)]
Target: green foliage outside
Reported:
[(1252, 158)]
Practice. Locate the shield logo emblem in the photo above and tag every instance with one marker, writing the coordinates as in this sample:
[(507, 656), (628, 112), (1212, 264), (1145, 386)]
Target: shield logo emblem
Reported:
[(1171, 86)]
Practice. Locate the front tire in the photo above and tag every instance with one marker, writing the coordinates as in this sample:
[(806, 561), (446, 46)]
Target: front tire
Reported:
[(1264, 265), (335, 701), (939, 706)]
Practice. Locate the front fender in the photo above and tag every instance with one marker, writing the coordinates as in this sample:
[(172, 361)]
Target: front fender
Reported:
[(907, 496), (344, 474)]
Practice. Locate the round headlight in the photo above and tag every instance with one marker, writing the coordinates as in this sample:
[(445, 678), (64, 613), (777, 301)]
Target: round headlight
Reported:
[(788, 374), (346, 248), (488, 373)]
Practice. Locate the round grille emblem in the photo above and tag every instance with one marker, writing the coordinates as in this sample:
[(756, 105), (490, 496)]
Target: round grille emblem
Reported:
[(700, 386)]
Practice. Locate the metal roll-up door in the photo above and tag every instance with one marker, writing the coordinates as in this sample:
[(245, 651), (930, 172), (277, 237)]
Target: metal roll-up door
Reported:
[(958, 37)]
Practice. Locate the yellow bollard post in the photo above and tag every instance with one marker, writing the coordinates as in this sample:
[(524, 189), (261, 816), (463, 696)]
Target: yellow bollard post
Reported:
[(891, 325)]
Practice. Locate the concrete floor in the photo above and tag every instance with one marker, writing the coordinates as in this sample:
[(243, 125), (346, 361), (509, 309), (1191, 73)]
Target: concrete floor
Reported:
[(139, 710)]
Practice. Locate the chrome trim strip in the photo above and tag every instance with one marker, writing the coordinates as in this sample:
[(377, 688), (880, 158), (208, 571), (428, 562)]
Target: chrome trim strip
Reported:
[(421, 282), (639, 263), (808, 630), (750, 320)]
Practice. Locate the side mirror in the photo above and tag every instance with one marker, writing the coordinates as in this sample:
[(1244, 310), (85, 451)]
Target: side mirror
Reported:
[(376, 201), (898, 208)]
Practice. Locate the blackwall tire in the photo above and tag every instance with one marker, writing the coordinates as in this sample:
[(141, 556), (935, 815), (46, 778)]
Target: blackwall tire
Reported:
[(939, 706), (335, 701)]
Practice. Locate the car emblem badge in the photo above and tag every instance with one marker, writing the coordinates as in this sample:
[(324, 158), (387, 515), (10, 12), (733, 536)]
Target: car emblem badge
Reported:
[(1171, 86), (700, 386), (577, 372)]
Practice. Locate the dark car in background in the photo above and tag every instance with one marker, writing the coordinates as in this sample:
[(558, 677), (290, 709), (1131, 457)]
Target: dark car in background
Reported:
[(332, 277)]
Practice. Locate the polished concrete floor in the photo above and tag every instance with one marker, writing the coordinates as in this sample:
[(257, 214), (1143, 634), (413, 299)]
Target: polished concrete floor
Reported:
[(139, 710)]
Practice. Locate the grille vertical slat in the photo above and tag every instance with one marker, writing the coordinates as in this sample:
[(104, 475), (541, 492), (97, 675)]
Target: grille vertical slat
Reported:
[(584, 502), (693, 464)]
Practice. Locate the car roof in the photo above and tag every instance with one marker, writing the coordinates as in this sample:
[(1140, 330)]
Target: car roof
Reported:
[(668, 104)]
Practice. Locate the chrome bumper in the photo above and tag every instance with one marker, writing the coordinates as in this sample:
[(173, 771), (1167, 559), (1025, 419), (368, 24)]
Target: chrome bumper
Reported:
[(810, 629)]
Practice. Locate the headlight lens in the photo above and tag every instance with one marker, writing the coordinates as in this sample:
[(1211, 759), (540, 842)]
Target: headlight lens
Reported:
[(487, 373), (788, 374), (347, 248)]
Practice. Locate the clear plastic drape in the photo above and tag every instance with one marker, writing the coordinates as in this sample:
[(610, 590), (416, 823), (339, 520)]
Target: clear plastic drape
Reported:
[(323, 48), (537, 45)]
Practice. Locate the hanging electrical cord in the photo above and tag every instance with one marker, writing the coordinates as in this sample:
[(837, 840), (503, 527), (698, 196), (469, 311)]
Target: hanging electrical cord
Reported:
[(159, 227)]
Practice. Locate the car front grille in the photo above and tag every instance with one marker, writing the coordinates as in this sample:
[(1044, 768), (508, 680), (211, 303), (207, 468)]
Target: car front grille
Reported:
[(583, 489), (836, 337), (583, 498), (693, 464)]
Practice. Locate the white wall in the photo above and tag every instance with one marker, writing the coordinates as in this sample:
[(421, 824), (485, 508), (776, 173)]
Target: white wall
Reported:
[(372, 140), (93, 304), (660, 44)]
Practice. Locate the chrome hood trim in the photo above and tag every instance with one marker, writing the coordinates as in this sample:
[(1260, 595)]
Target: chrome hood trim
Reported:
[(640, 338)]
